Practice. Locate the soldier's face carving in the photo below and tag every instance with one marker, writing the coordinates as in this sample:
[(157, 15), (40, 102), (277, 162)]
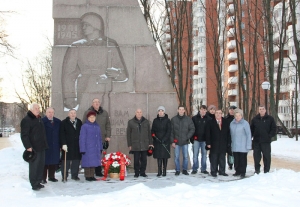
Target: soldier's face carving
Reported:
[(87, 29)]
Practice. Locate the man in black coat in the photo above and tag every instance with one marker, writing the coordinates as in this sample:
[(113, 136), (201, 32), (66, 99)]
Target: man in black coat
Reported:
[(229, 118), (218, 140), (198, 140), (34, 139), (263, 128), (69, 139)]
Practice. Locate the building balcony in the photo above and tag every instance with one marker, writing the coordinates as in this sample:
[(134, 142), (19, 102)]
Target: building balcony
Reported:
[(232, 56), (230, 21), (195, 57), (231, 44), (233, 80), (195, 76), (168, 45), (232, 68), (229, 1), (168, 36), (221, 38), (197, 13), (232, 92), (230, 9), (230, 32), (195, 68), (233, 104)]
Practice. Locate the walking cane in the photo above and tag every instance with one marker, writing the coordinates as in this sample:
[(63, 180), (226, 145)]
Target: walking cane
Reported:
[(65, 167)]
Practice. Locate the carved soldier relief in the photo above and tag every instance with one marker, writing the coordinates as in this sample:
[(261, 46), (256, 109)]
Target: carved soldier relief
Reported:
[(91, 64)]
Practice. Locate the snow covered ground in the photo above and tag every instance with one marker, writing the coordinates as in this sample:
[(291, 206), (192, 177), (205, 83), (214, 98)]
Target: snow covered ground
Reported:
[(277, 188)]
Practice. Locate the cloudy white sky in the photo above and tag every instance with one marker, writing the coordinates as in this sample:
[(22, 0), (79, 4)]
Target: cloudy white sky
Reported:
[(28, 28)]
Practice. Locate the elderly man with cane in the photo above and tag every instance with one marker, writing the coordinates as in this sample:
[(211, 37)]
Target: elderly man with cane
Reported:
[(69, 138)]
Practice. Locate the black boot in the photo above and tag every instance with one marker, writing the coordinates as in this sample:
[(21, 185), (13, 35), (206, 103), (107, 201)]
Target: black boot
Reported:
[(165, 162), (159, 163)]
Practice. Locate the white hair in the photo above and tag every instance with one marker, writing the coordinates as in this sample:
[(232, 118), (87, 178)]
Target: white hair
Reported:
[(32, 105)]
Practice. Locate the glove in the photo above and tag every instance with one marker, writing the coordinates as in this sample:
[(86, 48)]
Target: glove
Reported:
[(65, 148)]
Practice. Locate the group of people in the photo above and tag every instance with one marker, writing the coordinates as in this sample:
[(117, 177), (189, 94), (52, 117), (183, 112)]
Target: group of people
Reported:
[(207, 131), (81, 142)]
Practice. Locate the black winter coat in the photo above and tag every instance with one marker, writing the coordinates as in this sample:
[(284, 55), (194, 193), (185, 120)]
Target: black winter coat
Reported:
[(219, 140), (70, 136), (139, 134), (200, 127), (33, 133), (182, 129), (263, 128), (161, 127), (229, 118)]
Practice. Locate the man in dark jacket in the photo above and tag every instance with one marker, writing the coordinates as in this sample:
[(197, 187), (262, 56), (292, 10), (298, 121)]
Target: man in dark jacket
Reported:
[(52, 155), (139, 139), (229, 118), (103, 121), (34, 139), (263, 128), (218, 140), (69, 140), (182, 129), (198, 140)]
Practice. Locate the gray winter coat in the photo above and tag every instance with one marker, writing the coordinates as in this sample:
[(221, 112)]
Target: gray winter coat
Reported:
[(240, 136), (182, 129), (139, 134)]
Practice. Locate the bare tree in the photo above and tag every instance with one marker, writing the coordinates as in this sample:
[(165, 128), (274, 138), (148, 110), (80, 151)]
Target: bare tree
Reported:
[(36, 81), (5, 47), (172, 32)]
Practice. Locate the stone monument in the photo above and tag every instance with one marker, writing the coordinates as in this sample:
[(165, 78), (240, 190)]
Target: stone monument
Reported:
[(103, 49)]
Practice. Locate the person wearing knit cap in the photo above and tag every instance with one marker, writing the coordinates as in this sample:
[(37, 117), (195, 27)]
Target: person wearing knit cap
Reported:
[(161, 131), (90, 144)]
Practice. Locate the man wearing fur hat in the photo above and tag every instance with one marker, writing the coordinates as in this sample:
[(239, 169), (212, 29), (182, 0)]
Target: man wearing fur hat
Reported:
[(91, 64), (34, 139), (103, 121)]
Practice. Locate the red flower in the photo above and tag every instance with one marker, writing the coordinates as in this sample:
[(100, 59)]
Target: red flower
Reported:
[(150, 151), (153, 135), (195, 137), (175, 140), (104, 152)]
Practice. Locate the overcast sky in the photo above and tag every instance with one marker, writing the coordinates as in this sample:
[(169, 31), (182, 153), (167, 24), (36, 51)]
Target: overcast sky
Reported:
[(28, 28)]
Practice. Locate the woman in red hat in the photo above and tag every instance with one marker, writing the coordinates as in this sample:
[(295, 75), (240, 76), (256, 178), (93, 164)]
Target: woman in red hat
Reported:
[(90, 142)]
